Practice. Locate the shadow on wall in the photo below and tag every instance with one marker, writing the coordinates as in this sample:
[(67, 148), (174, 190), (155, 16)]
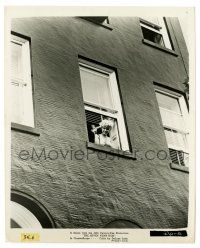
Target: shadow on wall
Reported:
[(122, 224)]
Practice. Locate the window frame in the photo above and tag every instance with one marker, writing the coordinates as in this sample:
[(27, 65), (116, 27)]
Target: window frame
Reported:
[(28, 109), (94, 20), (116, 112), (159, 30), (184, 111)]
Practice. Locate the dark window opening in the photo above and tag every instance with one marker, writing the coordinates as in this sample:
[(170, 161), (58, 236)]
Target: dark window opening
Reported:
[(93, 119), (152, 36), (97, 19), (102, 130)]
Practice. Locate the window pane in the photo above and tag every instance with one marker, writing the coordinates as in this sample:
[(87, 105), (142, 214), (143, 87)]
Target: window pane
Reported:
[(172, 119), (170, 112), (168, 102), (176, 139), (96, 88), (16, 61)]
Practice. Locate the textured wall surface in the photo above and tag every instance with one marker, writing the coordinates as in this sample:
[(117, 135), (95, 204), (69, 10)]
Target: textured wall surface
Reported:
[(94, 192)]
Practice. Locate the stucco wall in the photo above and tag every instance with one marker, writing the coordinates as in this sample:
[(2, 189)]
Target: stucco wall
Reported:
[(93, 192)]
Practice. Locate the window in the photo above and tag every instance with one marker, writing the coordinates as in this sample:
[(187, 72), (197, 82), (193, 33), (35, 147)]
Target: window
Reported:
[(154, 29), (174, 116), (21, 85), (103, 110), (97, 19)]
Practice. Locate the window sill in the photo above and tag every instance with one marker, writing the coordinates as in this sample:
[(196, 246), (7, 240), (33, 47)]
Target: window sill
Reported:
[(24, 129), (110, 150), (164, 49), (179, 167), (105, 25)]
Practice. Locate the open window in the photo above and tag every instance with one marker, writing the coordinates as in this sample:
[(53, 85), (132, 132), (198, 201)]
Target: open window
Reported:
[(174, 116), (97, 19), (21, 85), (154, 29), (103, 110)]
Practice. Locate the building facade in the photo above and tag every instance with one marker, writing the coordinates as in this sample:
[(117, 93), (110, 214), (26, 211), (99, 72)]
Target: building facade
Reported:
[(99, 123)]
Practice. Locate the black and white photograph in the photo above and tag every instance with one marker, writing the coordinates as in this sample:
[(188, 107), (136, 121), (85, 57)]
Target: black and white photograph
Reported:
[(99, 127)]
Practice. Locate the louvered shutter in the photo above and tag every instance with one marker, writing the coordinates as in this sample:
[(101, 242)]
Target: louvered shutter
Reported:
[(92, 117), (177, 157)]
